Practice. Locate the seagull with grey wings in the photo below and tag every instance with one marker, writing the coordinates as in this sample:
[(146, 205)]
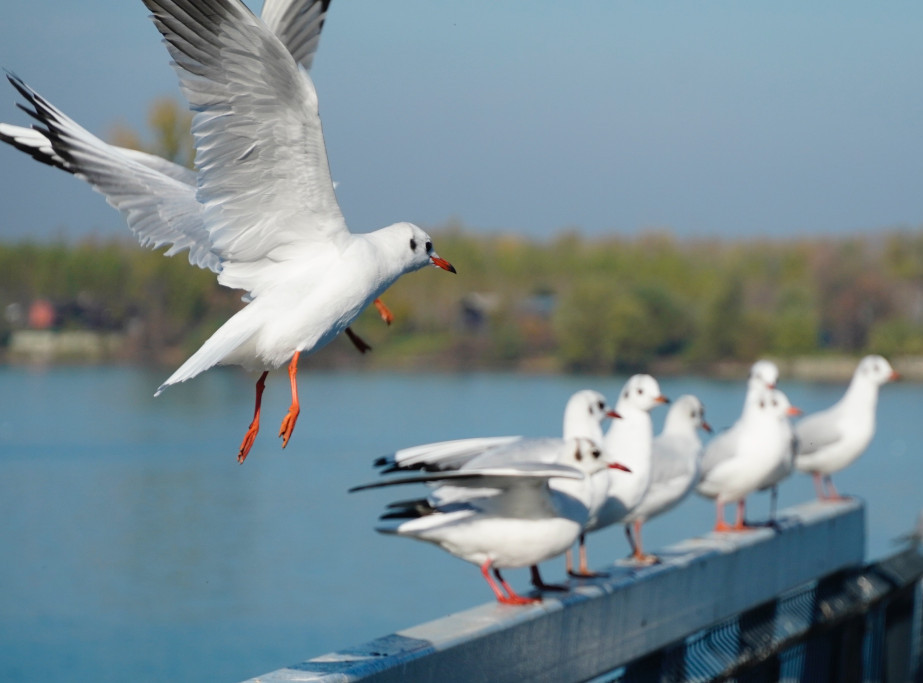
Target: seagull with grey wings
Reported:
[(259, 209)]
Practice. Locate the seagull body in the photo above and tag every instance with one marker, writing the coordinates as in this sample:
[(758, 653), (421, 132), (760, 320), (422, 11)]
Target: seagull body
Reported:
[(260, 209), (583, 415), (834, 438), (630, 441), (750, 455), (676, 455), (514, 516)]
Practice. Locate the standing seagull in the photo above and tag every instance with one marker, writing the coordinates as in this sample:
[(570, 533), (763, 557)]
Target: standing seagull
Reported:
[(748, 456), (264, 214), (676, 457), (513, 517), (831, 439), (629, 439)]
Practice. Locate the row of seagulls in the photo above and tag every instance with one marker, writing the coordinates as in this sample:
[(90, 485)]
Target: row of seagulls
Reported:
[(492, 522), (259, 209)]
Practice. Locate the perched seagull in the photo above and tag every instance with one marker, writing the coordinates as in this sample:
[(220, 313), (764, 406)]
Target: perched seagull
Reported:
[(764, 374), (786, 464), (583, 416), (675, 468), (749, 455), (833, 438), (630, 440), (515, 517), (260, 209)]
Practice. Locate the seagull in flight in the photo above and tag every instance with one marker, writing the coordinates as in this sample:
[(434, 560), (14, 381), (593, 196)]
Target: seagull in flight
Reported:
[(260, 208)]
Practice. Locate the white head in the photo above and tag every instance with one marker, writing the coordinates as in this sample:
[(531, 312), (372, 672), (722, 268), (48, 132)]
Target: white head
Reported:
[(587, 457), (410, 247), (641, 392), (584, 414), (764, 373), (686, 414), (874, 370), (769, 404)]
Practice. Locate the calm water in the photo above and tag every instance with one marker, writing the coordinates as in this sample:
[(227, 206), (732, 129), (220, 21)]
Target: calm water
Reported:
[(135, 548)]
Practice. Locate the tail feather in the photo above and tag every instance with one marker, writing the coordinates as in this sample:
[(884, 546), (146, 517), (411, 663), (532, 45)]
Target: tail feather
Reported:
[(235, 332)]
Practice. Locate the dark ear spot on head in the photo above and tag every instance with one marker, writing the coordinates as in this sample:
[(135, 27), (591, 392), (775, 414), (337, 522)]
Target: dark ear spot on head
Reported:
[(413, 244), (578, 456)]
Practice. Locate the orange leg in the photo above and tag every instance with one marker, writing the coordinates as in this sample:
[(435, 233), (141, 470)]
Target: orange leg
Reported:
[(511, 597), (254, 428), (384, 311), (583, 570), (637, 546), (720, 524), (288, 422)]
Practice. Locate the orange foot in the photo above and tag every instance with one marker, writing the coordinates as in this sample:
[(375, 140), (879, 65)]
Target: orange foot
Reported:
[(254, 428), (516, 599), (384, 311), (644, 559), (288, 424), (247, 443)]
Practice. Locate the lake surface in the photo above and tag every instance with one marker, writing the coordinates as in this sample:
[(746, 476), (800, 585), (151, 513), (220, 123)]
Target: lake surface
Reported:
[(135, 548)]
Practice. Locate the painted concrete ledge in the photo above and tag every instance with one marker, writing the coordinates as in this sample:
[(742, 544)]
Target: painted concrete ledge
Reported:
[(605, 623)]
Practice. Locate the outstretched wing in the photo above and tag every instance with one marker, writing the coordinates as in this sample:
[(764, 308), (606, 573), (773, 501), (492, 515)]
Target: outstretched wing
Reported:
[(263, 173), (442, 455), (155, 196), (298, 24)]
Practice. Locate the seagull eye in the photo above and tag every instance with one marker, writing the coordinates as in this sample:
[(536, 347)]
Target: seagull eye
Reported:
[(429, 247), (597, 453), (640, 391), (602, 406), (413, 244)]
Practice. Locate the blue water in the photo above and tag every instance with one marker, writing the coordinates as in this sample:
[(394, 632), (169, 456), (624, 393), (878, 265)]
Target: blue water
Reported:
[(133, 547)]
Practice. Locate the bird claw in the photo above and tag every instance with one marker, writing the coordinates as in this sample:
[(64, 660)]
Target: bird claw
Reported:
[(246, 445), (288, 425), (586, 574), (516, 599)]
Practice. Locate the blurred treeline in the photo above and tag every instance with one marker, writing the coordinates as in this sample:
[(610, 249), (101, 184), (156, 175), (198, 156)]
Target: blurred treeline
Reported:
[(573, 303)]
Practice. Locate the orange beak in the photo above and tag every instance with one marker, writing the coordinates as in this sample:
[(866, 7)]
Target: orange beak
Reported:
[(618, 466), (442, 263), (894, 376), (706, 427), (614, 415), (662, 399), (793, 411)]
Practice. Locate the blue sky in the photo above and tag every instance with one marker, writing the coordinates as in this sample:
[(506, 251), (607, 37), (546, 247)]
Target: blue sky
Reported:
[(706, 118)]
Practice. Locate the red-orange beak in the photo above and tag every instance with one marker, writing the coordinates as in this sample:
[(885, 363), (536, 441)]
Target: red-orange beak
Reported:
[(614, 415), (618, 466), (662, 399), (706, 427), (440, 262), (793, 411), (894, 376)]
